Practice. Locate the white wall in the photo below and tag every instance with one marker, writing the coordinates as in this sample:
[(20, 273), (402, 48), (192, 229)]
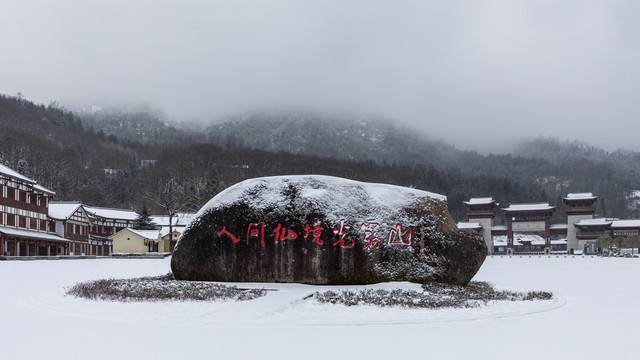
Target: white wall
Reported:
[(128, 242), (60, 228), (486, 233), (572, 232)]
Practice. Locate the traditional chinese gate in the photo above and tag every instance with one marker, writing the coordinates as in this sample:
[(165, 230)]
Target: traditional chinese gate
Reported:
[(529, 218)]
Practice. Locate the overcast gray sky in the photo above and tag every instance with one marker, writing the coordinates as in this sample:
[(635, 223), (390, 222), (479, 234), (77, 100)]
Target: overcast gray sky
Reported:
[(471, 72)]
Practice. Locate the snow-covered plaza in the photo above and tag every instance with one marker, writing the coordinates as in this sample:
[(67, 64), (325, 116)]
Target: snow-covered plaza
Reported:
[(595, 314)]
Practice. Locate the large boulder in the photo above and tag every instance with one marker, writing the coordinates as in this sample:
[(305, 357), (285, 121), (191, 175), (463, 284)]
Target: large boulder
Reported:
[(326, 230)]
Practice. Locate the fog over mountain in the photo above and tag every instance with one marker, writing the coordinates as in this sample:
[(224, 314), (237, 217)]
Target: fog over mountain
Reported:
[(478, 74), (118, 157), (549, 168)]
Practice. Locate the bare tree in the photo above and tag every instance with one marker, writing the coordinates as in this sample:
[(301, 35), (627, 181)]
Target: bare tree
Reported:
[(173, 197)]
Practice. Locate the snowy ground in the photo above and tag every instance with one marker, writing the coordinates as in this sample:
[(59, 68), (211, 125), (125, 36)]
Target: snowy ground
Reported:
[(594, 315)]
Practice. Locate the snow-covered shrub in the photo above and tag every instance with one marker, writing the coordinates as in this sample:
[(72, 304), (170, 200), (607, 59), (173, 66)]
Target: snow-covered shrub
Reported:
[(160, 288), (433, 296)]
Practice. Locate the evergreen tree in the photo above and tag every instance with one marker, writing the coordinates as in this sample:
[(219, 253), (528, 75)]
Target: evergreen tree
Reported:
[(23, 167), (604, 242), (619, 242), (143, 221), (632, 241)]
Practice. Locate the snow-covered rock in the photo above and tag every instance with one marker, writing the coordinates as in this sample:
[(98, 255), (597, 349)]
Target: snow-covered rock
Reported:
[(326, 230)]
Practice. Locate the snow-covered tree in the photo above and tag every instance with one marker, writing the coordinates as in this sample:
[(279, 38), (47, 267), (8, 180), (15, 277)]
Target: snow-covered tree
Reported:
[(23, 167)]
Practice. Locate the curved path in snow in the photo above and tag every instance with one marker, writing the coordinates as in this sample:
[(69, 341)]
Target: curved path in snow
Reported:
[(38, 321), (286, 306)]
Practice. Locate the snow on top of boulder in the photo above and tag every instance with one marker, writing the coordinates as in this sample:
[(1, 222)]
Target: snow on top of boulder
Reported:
[(332, 194)]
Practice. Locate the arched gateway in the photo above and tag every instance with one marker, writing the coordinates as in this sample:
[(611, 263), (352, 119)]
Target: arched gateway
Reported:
[(529, 218)]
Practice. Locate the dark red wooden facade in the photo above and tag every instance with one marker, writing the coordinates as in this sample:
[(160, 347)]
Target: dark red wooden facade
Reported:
[(24, 221)]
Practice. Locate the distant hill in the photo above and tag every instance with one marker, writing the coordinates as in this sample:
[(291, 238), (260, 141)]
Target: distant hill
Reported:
[(349, 137), (141, 125), (98, 159), (49, 144), (551, 166), (80, 162)]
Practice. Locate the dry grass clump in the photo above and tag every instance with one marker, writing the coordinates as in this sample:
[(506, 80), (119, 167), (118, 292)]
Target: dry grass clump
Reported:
[(433, 296), (160, 288)]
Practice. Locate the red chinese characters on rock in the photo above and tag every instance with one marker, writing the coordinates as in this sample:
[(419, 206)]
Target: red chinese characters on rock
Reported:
[(398, 237), (225, 231), (371, 239), (316, 230), (370, 228), (283, 234), (342, 232), (256, 230)]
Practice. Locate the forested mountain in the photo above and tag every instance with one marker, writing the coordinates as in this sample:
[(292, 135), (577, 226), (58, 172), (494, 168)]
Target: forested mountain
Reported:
[(50, 145), (53, 146), (137, 125), (100, 159), (552, 167), (349, 137)]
